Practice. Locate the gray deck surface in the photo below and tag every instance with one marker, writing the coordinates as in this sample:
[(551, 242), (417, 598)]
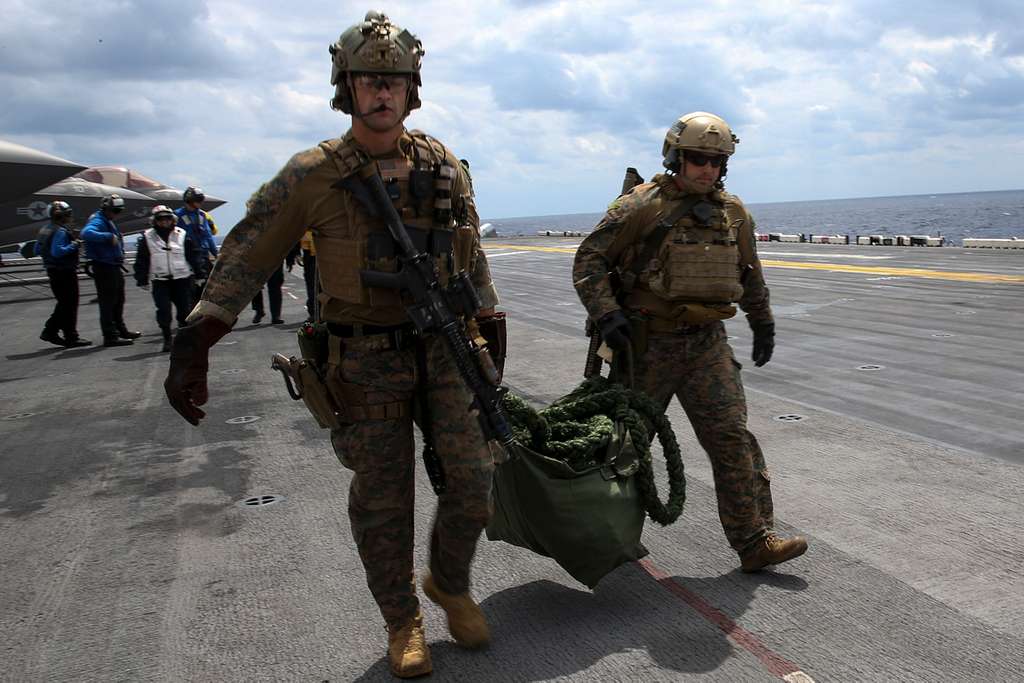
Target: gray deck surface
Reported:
[(127, 556)]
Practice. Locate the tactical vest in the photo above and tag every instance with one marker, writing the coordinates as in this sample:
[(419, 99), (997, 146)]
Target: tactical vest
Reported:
[(197, 226), (421, 191), (167, 259), (699, 260)]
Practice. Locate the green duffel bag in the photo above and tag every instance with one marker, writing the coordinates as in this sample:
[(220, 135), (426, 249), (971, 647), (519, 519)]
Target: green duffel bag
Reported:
[(589, 522), (588, 518)]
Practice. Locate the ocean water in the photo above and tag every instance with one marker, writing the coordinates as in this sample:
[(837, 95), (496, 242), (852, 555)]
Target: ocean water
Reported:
[(953, 216)]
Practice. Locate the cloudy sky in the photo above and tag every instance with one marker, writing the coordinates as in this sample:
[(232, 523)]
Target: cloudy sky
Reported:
[(548, 100)]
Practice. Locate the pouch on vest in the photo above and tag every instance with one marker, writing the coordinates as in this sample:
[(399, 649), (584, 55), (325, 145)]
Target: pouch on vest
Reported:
[(701, 272)]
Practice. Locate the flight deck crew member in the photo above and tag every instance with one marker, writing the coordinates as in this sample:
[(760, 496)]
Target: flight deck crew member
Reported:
[(376, 69), (200, 228), (274, 291), (59, 248), (167, 257), (309, 273), (684, 253), (104, 248)]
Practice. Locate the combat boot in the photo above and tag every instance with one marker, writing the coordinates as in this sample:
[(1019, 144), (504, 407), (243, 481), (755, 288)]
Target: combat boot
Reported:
[(73, 342), (772, 549), (125, 333), (167, 339), (115, 341), (53, 337), (466, 621), (408, 654)]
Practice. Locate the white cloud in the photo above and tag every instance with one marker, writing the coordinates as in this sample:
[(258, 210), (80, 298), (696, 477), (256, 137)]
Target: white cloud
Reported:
[(549, 101)]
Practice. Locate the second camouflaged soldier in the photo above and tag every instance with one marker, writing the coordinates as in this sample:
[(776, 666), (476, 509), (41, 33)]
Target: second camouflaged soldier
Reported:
[(663, 268), (373, 354)]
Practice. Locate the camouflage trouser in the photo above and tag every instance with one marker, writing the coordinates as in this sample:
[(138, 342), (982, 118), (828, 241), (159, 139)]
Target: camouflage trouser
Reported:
[(382, 455), (700, 370)]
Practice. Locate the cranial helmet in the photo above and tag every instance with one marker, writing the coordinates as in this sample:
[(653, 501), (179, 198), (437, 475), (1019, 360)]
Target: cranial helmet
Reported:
[(698, 131), (59, 211), (161, 211), (193, 194), (113, 202), (377, 46)]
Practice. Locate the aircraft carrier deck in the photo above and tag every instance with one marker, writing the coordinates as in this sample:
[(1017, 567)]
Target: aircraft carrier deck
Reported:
[(890, 417)]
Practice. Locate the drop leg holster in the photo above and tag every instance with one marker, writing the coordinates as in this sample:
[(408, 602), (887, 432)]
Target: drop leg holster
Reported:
[(492, 330), (317, 380)]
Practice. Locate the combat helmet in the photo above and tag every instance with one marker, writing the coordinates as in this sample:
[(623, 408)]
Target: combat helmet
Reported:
[(59, 211), (701, 132), (375, 45), (161, 211)]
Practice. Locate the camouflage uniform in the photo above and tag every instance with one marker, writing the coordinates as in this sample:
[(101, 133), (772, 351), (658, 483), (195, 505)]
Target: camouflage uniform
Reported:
[(686, 356), (378, 449)]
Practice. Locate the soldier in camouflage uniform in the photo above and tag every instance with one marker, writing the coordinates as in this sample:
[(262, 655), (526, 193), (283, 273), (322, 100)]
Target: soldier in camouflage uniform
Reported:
[(658, 274), (373, 366)]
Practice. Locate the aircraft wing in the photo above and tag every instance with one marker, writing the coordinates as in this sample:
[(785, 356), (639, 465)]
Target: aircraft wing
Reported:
[(24, 170)]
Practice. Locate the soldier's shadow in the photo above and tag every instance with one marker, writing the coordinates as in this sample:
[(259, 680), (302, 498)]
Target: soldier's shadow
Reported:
[(544, 630), (48, 351)]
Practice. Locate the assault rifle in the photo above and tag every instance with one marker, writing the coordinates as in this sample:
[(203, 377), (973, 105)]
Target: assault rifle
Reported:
[(438, 310)]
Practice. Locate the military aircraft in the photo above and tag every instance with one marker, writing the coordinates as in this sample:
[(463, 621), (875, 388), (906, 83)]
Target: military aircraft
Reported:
[(133, 181), (30, 180), (22, 218), (126, 178), (24, 170)]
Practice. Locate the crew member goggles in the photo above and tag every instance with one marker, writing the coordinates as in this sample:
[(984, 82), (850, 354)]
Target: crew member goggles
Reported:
[(699, 159), (367, 81)]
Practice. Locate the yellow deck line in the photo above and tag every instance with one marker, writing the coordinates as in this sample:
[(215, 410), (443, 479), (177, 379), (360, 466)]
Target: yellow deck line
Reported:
[(834, 267), (522, 247), (898, 272)]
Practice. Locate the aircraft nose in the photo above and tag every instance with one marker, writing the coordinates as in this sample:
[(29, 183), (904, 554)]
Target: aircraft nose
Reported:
[(211, 202)]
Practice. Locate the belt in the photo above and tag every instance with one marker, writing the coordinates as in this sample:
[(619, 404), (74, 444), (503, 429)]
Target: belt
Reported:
[(398, 335), (662, 326)]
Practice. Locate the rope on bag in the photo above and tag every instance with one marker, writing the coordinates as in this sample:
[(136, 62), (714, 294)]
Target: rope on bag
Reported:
[(574, 427)]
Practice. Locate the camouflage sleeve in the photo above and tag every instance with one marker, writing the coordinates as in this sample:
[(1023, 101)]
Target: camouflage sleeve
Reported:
[(755, 300), (274, 220), (598, 255), (462, 195)]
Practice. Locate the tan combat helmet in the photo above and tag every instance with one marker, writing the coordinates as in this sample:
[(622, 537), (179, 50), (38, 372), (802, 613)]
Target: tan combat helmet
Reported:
[(377, 46), (701, 132)]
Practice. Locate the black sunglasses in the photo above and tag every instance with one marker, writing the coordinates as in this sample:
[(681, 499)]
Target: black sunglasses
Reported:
[(699, 159)]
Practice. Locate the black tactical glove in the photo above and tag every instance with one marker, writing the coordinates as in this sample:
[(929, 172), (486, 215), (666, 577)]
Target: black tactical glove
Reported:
[(614, 328), (185, 385), (764, 342)]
